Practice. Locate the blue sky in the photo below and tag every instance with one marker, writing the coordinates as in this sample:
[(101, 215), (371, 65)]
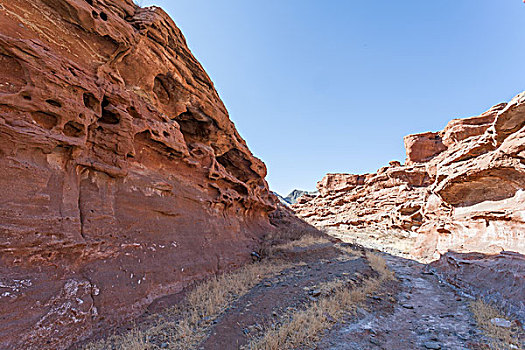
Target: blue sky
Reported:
[(333, 86)]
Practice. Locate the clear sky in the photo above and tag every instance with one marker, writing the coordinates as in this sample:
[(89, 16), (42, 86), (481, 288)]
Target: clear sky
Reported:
[(334, 85)]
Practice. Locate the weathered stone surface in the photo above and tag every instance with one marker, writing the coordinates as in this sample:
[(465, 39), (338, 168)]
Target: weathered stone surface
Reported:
[(123, 177), (423, 147), (340, 182), (461, 188), (498, 277), (458, 130)]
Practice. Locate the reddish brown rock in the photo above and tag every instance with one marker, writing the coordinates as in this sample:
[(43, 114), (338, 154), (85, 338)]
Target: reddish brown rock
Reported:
[(458, 130), (462, 189), (423, 147), (510, 120), (339, 182), (123, 177)]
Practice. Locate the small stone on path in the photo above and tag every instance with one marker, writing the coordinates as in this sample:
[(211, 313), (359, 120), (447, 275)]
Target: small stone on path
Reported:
[(432, 345), (500, 322)]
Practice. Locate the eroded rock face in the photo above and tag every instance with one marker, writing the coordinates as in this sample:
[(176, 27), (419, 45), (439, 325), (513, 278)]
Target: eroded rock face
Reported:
[(423, 147), (461, 188), (123, 178)]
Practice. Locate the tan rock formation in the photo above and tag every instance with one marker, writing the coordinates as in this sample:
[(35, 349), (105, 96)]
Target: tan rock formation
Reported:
[(423, 147), (461, 188), (123, 178)]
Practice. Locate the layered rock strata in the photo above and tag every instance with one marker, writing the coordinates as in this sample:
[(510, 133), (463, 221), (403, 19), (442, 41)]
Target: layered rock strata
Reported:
[(123, 178), (461, 188)]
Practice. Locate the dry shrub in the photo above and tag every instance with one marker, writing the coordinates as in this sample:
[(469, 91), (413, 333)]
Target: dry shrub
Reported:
[(378, 264), (302, 328), (501, 338), (184, 326), (133, 340)]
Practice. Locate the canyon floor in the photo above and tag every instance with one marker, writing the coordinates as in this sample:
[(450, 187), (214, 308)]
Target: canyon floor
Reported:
[(317, 294)]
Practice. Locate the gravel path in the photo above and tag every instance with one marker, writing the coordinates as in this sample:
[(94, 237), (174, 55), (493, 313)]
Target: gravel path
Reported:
[(424, 314)]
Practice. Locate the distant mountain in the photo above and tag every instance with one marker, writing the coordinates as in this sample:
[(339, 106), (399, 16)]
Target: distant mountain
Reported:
[(292, 197)]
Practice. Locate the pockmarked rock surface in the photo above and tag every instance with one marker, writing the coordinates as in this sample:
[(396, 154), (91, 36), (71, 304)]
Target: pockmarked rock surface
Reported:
[(461, 189), (123, 178)]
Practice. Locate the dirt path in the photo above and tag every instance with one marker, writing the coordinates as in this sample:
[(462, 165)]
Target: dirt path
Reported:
[(414, 311), (291, 290), (426, 315)]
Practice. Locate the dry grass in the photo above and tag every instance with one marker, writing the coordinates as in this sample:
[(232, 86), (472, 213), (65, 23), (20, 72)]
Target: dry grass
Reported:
[(378, 264), (183, 327), (302, 328), (305, 241), (501, 338)]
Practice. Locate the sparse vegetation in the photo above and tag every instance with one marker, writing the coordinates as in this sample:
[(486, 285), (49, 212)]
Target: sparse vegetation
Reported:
[(501, 338), (302, 328), (184, 326), (304, 241)]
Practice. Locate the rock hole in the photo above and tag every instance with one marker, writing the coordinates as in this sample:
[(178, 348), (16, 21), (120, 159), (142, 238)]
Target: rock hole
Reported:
[(54, 103), (235, 162), (73, 129), (143, 140), (108, 114), (11, 75), (160, 89), (90, 2), (166, 134), (133, 112), (94, 14), (90, 101), (241, 189), (46, 120), (27, 97), (195, 128), (103, 16), (168, 90)]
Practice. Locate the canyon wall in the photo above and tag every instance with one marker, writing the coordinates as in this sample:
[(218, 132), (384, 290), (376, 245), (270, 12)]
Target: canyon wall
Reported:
[(123, 178), (461, 189)]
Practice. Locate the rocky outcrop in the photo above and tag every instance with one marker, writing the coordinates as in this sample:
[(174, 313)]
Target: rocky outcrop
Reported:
[(423, 147), (460, 188), (123, 177), (500, 278)]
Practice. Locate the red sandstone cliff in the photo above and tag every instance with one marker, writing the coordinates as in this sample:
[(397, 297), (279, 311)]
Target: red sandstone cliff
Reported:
[(461, 188), (122, 177)]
